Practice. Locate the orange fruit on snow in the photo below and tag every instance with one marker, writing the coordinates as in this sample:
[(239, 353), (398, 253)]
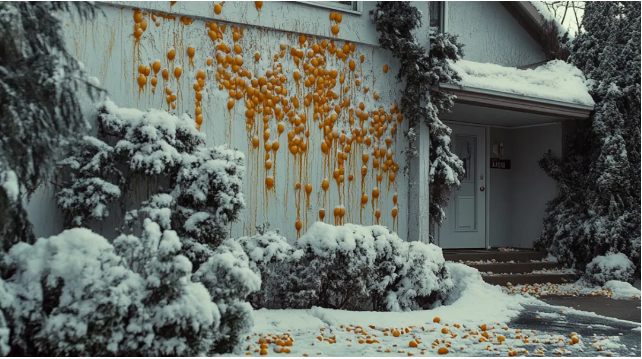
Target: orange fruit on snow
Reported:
[(442, 351), (412, 344), (396, 333), (436, 320)]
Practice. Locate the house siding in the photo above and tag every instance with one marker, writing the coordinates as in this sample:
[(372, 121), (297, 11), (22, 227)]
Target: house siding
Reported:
[(491, 34), (109, 51)]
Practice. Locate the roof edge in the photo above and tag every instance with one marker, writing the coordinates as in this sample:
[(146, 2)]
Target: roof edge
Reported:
[(523, 103)]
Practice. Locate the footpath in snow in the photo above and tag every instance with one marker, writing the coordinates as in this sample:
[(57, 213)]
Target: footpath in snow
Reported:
[(475, 321)]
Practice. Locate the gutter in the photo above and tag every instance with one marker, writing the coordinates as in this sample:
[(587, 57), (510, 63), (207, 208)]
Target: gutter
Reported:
[(522, 103)]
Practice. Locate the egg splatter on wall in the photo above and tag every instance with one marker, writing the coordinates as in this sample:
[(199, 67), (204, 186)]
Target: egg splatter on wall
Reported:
[(318, 132)]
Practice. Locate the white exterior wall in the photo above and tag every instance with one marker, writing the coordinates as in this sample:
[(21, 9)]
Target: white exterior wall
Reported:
[(109, 52), (491, 34), (518, 196)]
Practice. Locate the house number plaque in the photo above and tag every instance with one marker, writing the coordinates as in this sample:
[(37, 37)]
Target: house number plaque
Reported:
[(500, 163)]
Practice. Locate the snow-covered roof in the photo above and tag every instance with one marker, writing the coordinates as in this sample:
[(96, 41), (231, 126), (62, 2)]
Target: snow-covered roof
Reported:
[(555, 80)]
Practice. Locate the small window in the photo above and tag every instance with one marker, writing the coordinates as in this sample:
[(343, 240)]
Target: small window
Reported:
[(436, 12), (347, 6)]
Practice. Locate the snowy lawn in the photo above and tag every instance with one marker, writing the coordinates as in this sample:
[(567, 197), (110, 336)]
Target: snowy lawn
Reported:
[(477, 323)]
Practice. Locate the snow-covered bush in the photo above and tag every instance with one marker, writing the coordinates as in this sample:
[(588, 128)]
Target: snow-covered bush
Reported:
[(198, 190), (209, 194), (613, 266), (422, 278), (229, 279), (75, 294), (196, 283), (273, 257), (178, 316), (349, 267), (71, 295)]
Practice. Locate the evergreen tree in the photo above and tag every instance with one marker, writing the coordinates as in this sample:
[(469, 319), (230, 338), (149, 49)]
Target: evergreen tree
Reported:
[(598, 208), (421, 101), (40, 87)]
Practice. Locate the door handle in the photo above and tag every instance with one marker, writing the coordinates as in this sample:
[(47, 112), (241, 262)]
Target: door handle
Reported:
[(482, 188)]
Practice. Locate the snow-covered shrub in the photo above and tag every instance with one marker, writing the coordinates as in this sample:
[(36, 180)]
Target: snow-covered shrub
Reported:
[(72, 295), (229, 279), (76, 294), (422, 278), (89, 194), (177, 317), (273, 257), (174, 238), (363, 267), (613, 266), (199, 188), (209, 193)]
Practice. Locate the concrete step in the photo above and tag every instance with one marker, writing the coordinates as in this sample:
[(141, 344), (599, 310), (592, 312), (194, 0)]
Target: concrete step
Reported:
[(519, 267), (470, 255), (527, 278)]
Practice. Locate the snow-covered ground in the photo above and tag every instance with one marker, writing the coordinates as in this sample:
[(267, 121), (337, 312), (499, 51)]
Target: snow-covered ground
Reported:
[(476, 322)]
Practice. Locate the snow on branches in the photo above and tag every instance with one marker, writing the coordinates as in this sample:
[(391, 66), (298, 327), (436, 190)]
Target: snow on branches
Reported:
[(41, 91), (76, 294), (598, 208), (349, 267), (202, 185), (194, 282), (422, 102)]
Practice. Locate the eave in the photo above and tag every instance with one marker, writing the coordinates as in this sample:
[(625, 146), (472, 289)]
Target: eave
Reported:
[(514, 102)]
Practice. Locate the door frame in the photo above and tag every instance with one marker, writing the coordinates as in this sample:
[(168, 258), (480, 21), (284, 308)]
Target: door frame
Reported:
[(487, 198)]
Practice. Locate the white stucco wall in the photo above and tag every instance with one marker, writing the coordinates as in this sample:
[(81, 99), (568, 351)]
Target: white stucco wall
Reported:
[(491, 34), (111, 53), (518, 196)]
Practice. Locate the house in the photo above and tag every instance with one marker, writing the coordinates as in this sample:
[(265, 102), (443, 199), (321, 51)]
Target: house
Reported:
[(305, 91)]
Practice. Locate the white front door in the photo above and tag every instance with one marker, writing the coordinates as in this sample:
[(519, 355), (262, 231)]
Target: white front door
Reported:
[(465, 223)]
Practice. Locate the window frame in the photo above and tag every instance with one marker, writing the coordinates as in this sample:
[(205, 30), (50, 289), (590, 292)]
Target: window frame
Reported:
[(356, 6), (442, 16)]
